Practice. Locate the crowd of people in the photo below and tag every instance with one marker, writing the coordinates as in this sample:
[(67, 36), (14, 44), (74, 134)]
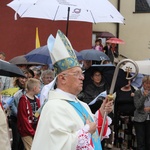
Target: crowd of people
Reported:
[(50, 109), (25, 102), (130, 117), (63, 117), (110, 49)]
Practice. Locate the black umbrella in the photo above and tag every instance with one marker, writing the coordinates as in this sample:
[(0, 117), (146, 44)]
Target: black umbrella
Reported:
[(10, 70), (91, 54), (105, 35), (107, 71)]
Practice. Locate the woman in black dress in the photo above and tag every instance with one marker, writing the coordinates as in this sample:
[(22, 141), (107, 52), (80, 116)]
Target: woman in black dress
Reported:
[(123, 117)]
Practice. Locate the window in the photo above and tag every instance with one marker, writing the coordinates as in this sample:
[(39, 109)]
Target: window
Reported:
[(142, 6)]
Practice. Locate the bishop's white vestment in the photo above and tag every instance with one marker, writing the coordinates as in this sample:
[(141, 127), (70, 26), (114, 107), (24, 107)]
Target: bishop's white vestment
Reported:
[(59, 124)]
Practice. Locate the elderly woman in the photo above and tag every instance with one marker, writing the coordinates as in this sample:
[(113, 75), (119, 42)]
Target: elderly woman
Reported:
[(47, 76), (142, 115)]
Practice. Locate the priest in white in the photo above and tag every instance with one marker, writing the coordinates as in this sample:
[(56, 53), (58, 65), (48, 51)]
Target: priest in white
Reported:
[(65, 122)]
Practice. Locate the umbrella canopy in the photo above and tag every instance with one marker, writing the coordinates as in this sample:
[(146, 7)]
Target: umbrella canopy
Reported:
[(42, 55), (91, 54), (105, 35), (79, 56), (107, 71), (21, 60), (94, 11), (10, 70), (137, 81), (144, 66), (115, 41), (87, 11)]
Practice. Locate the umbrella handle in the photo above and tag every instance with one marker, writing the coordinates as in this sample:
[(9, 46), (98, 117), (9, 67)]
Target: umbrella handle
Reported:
[(110, 97)]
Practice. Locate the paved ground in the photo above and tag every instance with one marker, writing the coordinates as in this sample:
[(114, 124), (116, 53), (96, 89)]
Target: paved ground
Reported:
[(114, 148)]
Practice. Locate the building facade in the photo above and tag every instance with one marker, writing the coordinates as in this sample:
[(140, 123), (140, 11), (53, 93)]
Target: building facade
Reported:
[(17, 37), (135, 32)]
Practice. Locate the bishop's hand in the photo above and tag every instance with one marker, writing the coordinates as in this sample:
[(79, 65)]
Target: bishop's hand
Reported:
[(107, 106), (92, 126)]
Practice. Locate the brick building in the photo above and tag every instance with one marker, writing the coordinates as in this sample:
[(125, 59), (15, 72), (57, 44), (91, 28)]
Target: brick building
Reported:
[(17, 37)]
